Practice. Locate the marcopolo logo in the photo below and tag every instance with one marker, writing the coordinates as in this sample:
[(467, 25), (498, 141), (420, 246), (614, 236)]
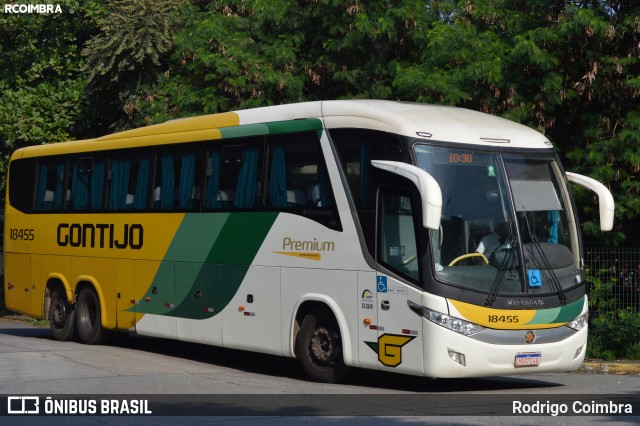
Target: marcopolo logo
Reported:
[(32, 8)]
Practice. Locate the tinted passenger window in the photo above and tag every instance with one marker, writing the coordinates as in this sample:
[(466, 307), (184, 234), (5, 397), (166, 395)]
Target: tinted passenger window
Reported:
[(86, 183), (177, 184), (50, 184), (129, 180)]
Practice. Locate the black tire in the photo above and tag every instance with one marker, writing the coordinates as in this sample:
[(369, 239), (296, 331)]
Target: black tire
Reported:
[(88, 324), (61, 316), (319, 347)]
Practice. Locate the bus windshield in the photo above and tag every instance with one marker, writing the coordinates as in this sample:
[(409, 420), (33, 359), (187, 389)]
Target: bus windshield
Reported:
[(507, 227)]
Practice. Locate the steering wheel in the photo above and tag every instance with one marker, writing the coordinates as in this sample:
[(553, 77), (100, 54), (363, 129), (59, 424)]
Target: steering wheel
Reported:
[(410, 259), (468, 255)]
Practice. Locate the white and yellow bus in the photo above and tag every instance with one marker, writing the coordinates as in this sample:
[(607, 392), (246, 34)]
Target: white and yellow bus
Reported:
[(420, 239)]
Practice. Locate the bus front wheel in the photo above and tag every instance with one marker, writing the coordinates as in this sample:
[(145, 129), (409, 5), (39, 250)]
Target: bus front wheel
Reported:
[(319, 347), (88, 315), (61, 316)]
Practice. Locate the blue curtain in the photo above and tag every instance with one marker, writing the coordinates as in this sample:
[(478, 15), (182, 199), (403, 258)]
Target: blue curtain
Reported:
[(278, 182), (42, 188), (57, 202), (187, 179), (246, 189), (97, 183), (120, 170), (552, 216), (167, 188), (365, 162), (213, 182), (142, 185), (80, 187)]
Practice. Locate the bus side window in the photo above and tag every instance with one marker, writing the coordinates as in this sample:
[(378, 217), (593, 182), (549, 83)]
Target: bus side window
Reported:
[(22, 184), (397, 247), (85, 186), (356, 148), (297, 175), (50, 185), (297, 179), (214, 197), (129, 176), (233, 174), (178, 178)]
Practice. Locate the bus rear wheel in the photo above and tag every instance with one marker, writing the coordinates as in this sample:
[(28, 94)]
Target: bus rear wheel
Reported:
[(61, 316), (88, 316), (319, 347)]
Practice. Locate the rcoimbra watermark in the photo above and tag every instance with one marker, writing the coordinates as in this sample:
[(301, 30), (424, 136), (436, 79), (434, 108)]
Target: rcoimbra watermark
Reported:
[(32, 8), (575, 408)]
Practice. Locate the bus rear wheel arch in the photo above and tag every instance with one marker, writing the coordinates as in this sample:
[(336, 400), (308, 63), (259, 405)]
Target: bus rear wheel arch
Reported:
[(319, 347), (88, 317)]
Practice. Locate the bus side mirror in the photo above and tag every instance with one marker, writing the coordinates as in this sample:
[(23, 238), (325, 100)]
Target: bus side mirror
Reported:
[(430, 193), (605, 199)]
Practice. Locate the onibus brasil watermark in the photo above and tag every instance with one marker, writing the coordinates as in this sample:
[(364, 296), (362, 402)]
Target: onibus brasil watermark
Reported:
[(72, 406)]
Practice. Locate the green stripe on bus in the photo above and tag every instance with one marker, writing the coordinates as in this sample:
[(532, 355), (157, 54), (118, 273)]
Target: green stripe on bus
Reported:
[(289, 126), (559, 315), (293, 126), (244, 131), (195, 236), (226, 243), (571, 311), (241, 237)]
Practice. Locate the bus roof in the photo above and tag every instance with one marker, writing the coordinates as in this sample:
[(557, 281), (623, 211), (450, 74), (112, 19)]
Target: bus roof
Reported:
[(429, 122)]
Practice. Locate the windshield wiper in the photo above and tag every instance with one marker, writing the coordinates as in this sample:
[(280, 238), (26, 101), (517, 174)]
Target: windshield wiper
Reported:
[(502, 270), (553, 278)]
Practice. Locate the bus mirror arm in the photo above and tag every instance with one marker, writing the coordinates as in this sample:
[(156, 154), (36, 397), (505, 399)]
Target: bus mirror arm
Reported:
[(430, 193), (605, 199)]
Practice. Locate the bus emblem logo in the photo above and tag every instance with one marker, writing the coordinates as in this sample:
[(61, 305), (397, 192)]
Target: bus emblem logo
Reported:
[(529, 337), (389, 348)]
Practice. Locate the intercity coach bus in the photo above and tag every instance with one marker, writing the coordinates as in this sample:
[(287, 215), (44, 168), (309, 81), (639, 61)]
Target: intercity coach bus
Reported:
[(421, 239)]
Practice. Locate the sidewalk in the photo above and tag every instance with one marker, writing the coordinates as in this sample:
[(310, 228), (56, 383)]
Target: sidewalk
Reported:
[(598, 366)]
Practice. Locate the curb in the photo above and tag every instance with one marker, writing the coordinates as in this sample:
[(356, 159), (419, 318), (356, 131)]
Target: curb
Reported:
[(615, 367)]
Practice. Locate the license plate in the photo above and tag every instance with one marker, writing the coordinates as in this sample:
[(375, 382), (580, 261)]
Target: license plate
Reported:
[(528, 359)]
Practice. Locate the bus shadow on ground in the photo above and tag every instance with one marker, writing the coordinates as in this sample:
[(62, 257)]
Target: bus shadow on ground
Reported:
[(277, 366)]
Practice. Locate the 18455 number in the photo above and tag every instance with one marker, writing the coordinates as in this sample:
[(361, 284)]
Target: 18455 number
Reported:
[(22, 234), (504, 318)]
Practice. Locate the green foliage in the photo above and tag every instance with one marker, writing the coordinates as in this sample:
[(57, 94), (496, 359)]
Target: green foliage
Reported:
[(613, 333), (41, 86), (126, 58), (240, 54), (40, 113), (615, 336)]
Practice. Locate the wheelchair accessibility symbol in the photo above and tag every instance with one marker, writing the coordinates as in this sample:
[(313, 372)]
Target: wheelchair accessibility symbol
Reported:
[(535, 279), (381, 284)]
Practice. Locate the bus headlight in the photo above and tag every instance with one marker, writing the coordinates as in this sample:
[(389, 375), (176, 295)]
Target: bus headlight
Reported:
[(580, 322), (456, 324)]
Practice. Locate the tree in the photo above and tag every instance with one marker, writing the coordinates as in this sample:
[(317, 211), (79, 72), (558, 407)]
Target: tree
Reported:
[(125, 59), (41, 84), (236, 54)]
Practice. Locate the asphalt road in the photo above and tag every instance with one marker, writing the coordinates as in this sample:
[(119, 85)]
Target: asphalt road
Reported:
[(187, 379)]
